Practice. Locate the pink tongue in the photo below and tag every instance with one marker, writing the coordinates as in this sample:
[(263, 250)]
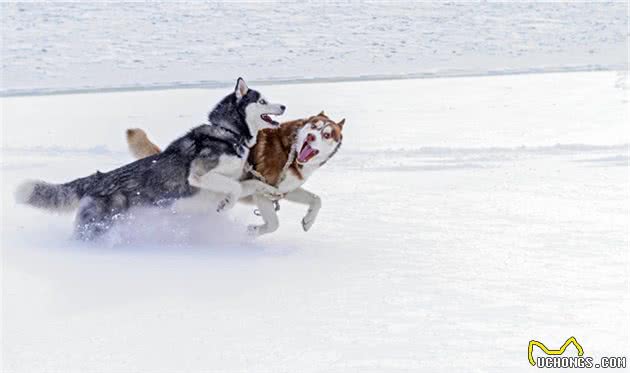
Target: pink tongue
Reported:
[(305, 153)]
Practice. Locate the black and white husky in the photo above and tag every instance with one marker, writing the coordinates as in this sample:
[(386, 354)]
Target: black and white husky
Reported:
[(210, 157)]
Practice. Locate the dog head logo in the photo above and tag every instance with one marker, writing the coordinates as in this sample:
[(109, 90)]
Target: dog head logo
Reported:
[(560, 351)]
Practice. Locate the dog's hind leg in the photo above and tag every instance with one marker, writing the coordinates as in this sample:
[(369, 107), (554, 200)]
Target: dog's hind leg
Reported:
[(268, 213), (96, 215), (91, 220), (303, 196), (218, 183)]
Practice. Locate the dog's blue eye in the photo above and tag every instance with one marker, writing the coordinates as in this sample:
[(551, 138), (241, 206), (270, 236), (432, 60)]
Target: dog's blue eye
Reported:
[(262, 102)]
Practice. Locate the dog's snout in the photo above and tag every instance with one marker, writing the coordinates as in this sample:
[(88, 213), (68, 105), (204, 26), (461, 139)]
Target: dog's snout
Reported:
[(282, 107), (310, 137)]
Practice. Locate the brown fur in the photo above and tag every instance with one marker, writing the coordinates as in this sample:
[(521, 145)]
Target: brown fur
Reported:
[(271, 152), (273, 146), (139, 144), (268, 157)]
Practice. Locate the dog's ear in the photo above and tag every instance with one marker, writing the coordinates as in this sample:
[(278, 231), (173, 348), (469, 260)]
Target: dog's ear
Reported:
[(341, 123), (321, 114), (241, 88)]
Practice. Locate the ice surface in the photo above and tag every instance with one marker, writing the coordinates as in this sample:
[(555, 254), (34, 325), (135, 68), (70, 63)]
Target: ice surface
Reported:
[(461, 218), (52, 47)]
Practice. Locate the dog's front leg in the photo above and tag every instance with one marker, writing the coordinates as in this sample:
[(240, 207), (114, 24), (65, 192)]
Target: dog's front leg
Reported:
[(303, 196), (268, 213), (218, 183)]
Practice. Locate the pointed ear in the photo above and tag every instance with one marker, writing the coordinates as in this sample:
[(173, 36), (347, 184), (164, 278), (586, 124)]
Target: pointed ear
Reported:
[(321, 114), (241, 88), (341, 123)]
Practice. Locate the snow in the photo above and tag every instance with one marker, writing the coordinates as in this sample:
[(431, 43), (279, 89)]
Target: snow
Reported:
[(96, 45), (461, 218)]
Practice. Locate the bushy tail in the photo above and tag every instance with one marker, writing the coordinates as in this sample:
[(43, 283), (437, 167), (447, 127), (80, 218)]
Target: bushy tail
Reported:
[(54, 197), (139, 144)]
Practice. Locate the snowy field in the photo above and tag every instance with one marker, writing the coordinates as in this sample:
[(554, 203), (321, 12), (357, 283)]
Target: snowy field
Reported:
[(462, 218), (95, 45), (465, 214)]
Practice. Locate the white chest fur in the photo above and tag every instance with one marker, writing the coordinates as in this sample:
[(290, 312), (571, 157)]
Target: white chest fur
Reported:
[(291, 181), (230, 166)]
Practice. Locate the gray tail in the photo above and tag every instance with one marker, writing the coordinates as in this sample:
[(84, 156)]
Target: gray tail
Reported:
[(54, 197)]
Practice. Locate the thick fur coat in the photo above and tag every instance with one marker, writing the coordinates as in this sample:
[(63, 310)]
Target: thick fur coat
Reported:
[(210, 156)]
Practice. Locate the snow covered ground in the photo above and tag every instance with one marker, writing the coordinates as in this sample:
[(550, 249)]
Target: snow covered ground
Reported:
[(462, 218), (95, 45)]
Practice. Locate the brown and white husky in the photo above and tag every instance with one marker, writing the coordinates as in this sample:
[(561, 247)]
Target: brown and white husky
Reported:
[(284, 157)]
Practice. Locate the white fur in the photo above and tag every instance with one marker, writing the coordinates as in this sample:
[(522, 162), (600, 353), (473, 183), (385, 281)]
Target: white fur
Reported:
[(205, 199), (253, 186), (231, 165), (241, 88), (25, 190), (268, 213), (270, 218), (303, 196), (291, 181), (291, 185), (202, 202), (325, 146), (254, 110), (254, 122), (218, 183), (221, 179)]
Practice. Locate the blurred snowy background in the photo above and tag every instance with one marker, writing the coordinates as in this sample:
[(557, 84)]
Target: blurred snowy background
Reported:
[(69, 46)]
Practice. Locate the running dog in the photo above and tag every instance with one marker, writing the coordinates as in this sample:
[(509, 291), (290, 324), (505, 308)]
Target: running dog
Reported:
[(283, 157), (209, 157)]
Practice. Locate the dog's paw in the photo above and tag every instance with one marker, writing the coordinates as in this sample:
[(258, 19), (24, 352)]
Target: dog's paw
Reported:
[(308, 221), (253, 230), (226, 203), (194, 180)]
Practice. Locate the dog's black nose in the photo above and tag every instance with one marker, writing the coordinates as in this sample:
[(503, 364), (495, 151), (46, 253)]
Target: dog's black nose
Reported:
[(282, 107)]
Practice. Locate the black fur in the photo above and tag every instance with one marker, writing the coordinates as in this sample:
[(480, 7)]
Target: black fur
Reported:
[(233, 111), (157, 180)]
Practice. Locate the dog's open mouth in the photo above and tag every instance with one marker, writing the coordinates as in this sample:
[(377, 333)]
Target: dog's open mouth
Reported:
[(306, 153), (268, 119)]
